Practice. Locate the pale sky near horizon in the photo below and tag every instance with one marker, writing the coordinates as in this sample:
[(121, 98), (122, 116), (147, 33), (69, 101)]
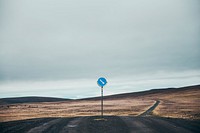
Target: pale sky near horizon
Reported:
[(59, 48)]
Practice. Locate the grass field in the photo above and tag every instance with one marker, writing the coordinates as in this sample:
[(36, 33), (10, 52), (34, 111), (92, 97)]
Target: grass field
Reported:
[(176, 103)]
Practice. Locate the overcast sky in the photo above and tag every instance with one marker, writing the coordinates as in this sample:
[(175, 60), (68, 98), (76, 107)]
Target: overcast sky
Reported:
[(60, 47)]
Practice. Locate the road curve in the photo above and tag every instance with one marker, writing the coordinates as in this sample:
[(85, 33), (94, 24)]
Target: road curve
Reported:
[(148, 111), (145, 123)]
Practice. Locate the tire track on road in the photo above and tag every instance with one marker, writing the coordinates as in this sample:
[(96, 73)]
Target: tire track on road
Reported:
[(71, 127), (43, 127), (22, 126), (53, 126), (58, 127)]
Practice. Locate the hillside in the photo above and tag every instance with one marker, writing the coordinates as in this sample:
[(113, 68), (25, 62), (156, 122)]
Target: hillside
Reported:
[(158, 93), (181, 103), (15, 100)]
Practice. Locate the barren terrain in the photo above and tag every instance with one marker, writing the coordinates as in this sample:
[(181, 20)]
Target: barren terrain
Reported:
[(176, 103), (169, 108)]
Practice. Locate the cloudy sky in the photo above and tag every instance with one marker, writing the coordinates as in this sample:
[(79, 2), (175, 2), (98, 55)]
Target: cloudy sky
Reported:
[(60, 47)]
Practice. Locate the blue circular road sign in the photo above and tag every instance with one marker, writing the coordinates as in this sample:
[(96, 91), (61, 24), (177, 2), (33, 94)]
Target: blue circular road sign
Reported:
[(101, 82)]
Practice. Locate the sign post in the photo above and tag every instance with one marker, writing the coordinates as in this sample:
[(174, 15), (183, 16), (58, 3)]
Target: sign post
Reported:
[(101, 82), (102, 102)]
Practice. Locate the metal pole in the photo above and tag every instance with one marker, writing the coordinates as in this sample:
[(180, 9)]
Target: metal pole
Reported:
[(102, 101)]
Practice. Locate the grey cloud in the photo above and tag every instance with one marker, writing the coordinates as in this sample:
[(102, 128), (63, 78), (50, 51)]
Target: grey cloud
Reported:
[(44, 39)]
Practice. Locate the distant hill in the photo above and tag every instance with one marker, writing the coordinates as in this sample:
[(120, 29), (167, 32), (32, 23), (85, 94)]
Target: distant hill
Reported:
[(182, 102), (33, 99), (149, 93), (156, 93)]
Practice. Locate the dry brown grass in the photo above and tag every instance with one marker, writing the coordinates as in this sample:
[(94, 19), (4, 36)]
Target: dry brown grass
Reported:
[(185, 104), (177, 104), (73, 108)]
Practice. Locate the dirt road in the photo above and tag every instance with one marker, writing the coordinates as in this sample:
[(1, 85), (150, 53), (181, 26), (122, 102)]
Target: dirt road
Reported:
[(144, 123), (148, 111)]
